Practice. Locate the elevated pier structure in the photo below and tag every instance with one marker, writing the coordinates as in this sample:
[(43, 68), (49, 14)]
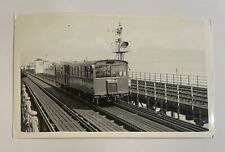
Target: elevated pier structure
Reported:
[(182, 94)]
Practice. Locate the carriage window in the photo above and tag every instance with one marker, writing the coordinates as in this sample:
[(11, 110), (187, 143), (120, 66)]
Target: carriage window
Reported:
[(71, 70), (119, 70), (124, 73), (86, 71), (90, 72), (111, 71), (120, 73), (83, 72), (103, 71), (79, 71), (75, 71)]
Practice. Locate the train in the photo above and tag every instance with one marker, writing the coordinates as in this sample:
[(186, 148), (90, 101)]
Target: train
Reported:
[(100, 80)]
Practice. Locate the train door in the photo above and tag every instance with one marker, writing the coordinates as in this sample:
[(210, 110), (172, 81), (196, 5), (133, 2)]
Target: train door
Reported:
[(67, 73)]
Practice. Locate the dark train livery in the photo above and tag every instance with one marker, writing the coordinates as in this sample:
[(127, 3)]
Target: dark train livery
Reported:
[(101, 80)]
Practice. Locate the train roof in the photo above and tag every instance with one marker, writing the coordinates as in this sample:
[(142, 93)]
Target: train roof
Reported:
[(89, 62)]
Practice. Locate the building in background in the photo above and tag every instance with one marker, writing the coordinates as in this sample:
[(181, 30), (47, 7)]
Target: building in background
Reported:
[(43, 66)]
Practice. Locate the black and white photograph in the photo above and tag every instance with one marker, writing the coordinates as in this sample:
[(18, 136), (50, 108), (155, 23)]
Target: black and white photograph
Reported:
[(91, 75)]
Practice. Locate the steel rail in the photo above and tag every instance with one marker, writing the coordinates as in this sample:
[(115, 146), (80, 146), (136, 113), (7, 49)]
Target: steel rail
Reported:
[(50, 127), (179, 125), (98, 109), (88, 125), (155, 117), (174, 123)]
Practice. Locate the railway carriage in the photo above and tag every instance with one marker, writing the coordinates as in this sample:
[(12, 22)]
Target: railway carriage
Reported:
[(101, 80)]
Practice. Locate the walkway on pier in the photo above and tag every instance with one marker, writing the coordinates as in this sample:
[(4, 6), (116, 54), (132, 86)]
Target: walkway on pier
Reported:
[(171, 92)]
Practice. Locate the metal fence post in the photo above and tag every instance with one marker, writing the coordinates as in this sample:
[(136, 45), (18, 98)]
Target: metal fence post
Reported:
[(167, 78), (178, 102), (180, 79), (197, 81), (173, 79), (144, 76), (137, 101), (149, 76), (166, 96), (155, 76), (192, 97), (160, 77), (155, 90), (189, 80), (146, 95)]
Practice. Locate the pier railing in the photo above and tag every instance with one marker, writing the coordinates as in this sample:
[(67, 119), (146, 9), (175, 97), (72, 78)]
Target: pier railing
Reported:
[(169, 91), (179, 79)]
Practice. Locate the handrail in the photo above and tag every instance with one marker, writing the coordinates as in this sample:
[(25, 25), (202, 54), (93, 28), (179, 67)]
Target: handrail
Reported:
[(180, 79)]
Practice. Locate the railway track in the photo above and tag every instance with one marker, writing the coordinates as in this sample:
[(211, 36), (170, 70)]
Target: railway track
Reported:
[(157, 122), (144, 123), (62, 118), (55, 117), (120, 116), (100, 121), (152, 115), (162, 119)]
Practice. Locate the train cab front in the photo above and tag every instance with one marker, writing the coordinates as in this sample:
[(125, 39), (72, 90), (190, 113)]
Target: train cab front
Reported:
[(111, 89), (111, 81)]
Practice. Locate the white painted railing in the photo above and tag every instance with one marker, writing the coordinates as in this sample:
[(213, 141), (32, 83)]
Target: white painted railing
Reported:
[(180, 79)]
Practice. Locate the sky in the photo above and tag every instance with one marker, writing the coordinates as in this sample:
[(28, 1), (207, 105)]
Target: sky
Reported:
[(156, 44)]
